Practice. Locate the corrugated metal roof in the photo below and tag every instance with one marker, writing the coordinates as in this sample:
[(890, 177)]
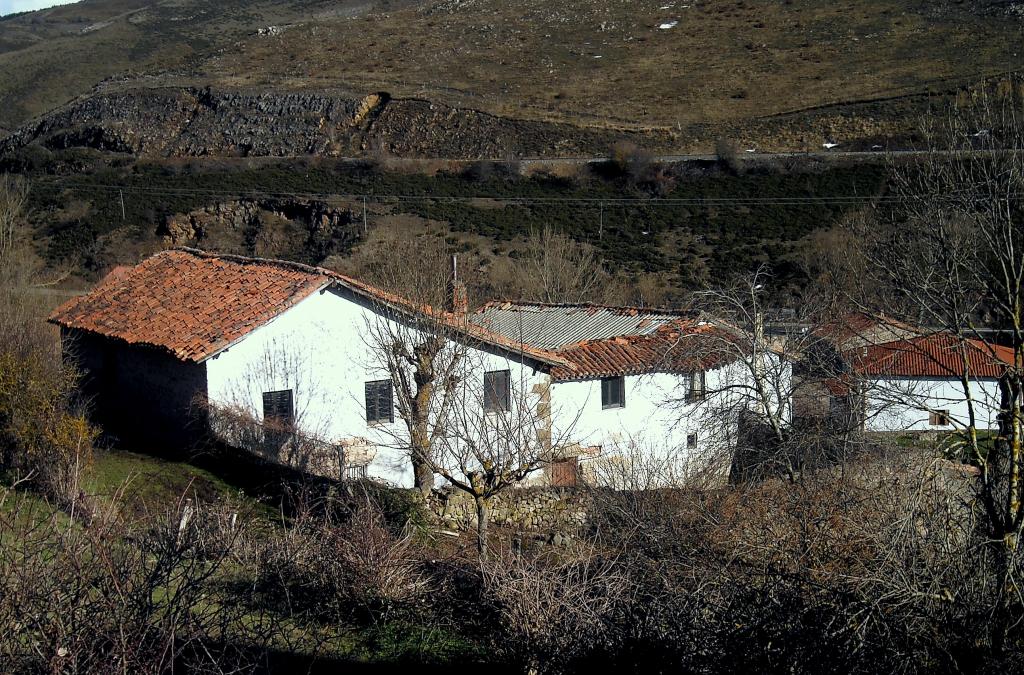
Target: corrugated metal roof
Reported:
[(549, 326)]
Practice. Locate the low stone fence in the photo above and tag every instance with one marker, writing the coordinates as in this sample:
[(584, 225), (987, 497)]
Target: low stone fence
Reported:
[(534, 508)]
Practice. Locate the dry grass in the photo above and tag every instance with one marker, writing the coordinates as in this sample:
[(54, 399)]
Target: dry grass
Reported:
[(724, 63), (601, 63)]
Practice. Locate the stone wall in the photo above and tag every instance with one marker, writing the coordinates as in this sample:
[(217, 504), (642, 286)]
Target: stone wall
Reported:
[(535, 508)]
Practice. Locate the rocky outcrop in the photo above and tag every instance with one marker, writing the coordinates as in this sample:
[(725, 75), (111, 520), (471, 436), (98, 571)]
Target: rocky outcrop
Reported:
[(304, 230), (189, 122), (195, 122), (193, 227)]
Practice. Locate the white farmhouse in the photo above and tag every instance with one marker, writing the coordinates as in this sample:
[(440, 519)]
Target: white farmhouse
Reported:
[(930, 383), (897, 378), (667, 386), (188, 342)]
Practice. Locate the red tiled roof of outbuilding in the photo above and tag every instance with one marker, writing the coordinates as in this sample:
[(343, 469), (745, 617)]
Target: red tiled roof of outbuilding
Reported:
[(191, 305), (938, 355)]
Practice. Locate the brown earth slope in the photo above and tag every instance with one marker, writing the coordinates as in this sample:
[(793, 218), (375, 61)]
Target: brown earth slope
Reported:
[(473, 72)]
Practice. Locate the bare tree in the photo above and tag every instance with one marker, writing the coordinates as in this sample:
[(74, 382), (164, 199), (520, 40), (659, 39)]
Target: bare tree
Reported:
[(415, 353), (406, 338), (498, 431), (949, 255), (409, 340), (558, 269), (740, 381), (552, 267)]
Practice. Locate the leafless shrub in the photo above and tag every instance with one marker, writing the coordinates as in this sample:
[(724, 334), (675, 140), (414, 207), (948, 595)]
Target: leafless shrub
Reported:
[(631, 160), (377, 568), (339, 566), (728, 155), (43, 433), (117, 596), (554, 607)]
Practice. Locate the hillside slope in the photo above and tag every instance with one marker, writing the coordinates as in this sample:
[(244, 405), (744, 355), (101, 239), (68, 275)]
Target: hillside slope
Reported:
[(778, 76)]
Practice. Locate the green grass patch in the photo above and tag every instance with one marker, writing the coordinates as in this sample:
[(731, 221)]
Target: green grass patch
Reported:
[(146, 482)]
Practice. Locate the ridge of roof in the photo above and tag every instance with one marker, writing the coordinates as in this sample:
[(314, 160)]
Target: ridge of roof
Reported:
[(857, 323), (626, 309)]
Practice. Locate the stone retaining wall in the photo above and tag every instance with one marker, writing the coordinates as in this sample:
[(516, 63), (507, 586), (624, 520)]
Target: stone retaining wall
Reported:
[(538, 508)]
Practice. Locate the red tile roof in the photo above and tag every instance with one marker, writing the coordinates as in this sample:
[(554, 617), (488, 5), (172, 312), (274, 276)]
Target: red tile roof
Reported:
[(194, 304), (936, 355), (685, 347), (858, 328)]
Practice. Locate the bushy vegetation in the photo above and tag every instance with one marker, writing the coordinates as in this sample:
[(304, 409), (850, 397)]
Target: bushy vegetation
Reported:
[(45, 438), (690, 221), (861, 570)]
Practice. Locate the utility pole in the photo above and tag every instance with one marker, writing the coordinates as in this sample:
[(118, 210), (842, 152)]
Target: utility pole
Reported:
[(124, 216), (600, 224), (364, 216)]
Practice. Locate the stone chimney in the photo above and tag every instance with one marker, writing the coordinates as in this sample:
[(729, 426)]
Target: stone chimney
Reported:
[(457, 299)]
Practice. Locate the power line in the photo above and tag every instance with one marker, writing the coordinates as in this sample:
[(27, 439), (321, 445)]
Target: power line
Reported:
[(595, 201)]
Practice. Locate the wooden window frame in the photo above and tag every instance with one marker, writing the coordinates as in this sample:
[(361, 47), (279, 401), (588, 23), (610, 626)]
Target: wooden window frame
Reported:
[(355, 471), (278, 428), (694, 392), (938, 418), (492, 404), (373, 398), (564, 472), (607, 402)]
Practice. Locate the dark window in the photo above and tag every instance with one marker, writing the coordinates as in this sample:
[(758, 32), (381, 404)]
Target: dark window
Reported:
[(938, 418), (691, 441), (379, 402), (355, 472), (278, 416), (613, 392), (278, 409), (497, 391), (696, 389)]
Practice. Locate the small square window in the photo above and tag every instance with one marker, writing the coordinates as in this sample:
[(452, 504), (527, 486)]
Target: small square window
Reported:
[(355, 472), (497, 391), (613, 392), (278, 409), (938, 418), (691, 441), (380, 406)]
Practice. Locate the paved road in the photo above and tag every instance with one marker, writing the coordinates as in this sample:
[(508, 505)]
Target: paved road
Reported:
[(754, 156)]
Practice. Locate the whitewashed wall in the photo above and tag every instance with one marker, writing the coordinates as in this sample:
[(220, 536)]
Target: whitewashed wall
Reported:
[(319, 349), (903, 404), (652, 428), (649, 417)]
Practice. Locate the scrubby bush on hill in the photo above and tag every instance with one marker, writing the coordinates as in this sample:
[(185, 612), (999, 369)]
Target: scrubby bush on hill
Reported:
[(44, 437)]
